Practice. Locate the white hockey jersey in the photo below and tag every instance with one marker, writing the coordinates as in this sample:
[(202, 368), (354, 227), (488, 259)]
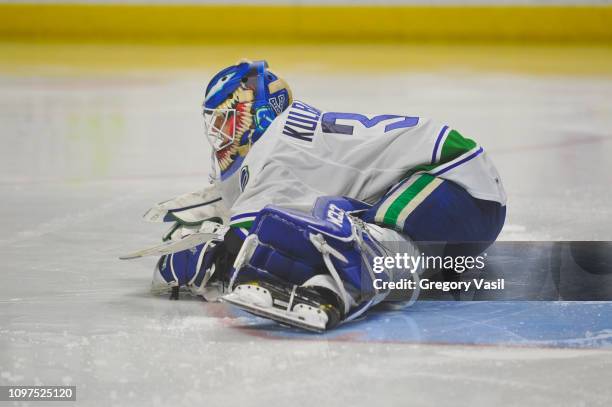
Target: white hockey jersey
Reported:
[(307, 153)]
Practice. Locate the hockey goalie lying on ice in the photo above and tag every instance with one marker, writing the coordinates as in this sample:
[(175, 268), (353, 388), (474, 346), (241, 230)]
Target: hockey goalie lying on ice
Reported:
[(302, 200)]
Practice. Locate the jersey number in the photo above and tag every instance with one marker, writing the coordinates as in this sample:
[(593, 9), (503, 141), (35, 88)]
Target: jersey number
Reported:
[(329, 125)]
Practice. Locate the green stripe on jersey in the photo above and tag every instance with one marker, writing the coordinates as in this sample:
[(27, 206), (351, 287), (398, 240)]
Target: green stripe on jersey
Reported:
[(404, 199), (455, 145)]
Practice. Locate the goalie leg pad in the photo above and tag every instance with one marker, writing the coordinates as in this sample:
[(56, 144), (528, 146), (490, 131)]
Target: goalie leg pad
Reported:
[(287, 246)]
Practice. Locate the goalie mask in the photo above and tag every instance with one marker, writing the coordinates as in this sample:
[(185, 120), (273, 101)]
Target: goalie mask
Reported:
[(241, 102)]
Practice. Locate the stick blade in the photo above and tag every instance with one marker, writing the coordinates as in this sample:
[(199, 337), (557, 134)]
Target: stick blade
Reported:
[(172, 246)]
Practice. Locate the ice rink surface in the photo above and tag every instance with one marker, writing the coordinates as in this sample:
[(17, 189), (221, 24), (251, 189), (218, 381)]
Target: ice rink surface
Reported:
[(83, 156)]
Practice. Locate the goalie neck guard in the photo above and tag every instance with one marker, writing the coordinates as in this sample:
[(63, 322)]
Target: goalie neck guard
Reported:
[(240, 103)]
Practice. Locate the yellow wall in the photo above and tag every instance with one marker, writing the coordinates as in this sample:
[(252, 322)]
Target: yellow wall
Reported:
[(288, 24)]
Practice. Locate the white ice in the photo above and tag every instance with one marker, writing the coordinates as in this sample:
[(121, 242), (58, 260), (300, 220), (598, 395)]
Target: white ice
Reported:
[(82, 158)]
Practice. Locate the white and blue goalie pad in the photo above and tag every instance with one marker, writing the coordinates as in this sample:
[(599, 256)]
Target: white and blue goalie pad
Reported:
[(295, 247)]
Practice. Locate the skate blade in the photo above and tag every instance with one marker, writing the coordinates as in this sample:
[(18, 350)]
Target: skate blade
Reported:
[(275, 314)]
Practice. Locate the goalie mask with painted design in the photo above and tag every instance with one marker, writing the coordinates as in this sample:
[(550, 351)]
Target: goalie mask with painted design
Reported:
[(241, 102)]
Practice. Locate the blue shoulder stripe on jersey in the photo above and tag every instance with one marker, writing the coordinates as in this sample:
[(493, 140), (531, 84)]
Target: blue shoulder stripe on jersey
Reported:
[(452, 165), (434, 154)]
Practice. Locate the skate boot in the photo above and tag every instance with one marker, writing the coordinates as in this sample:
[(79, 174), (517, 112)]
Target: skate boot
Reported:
[(313, 308)]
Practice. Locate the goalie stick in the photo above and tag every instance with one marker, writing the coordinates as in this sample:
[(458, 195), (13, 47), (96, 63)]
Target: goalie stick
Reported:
[(173, 246)]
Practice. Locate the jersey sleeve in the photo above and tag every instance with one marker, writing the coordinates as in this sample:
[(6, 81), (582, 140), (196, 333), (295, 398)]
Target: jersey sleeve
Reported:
[(275, 185), (461, 160)]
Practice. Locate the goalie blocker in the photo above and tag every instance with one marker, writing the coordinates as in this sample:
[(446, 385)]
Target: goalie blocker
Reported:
[(314, 271)]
